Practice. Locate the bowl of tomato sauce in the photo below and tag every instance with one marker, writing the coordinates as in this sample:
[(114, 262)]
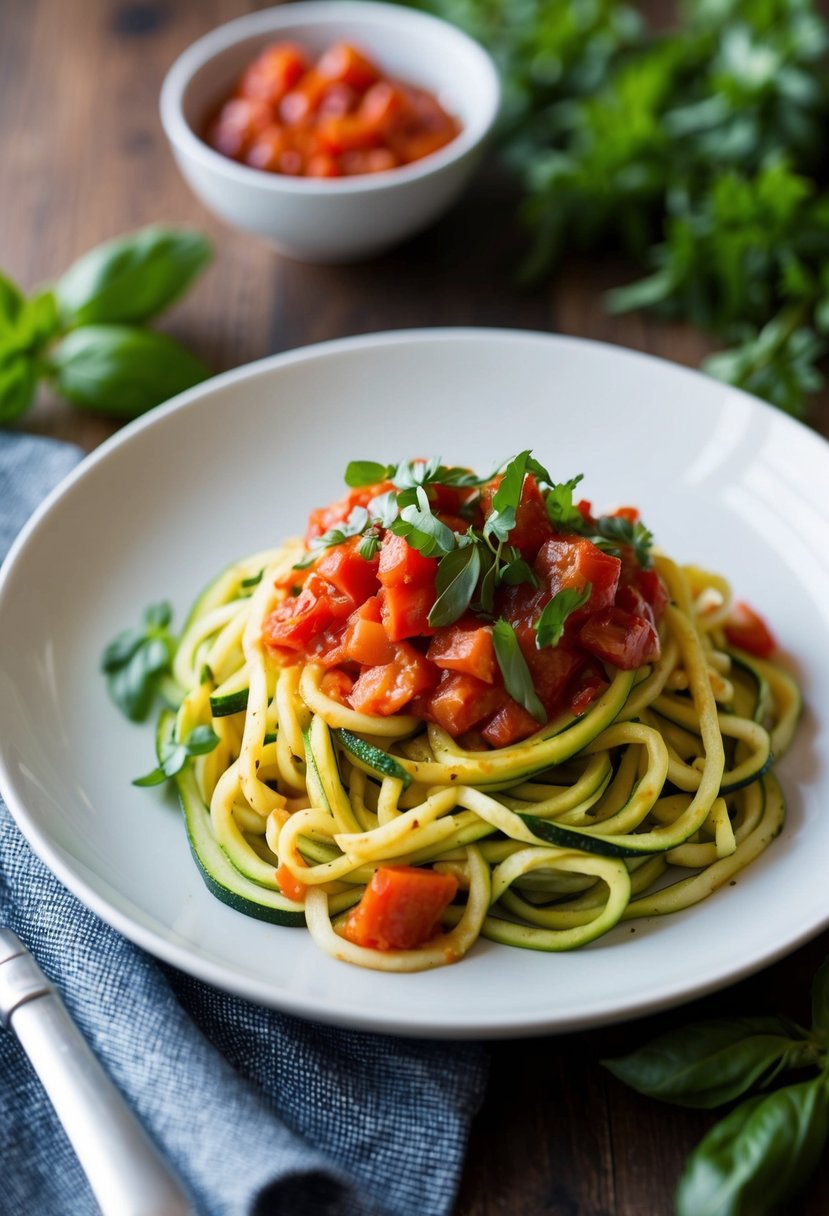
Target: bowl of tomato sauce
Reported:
[(333, 129)]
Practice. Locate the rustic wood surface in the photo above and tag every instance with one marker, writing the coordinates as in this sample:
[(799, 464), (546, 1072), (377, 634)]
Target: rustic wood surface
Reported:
[(82, 158)]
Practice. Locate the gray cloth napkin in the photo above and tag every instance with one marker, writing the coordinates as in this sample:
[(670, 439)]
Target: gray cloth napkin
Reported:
[(261, 1113)]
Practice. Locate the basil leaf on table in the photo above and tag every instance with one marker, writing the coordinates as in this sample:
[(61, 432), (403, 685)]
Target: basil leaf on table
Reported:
[(759, 1155), (131, 278), (707, 1064), (120, 369), (18, 380)]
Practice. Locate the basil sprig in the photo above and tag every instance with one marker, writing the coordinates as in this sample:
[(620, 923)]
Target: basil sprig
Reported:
[(136, 662), (87, 335), (516, 674), (200, 741), (549, 628), (764, 1150)]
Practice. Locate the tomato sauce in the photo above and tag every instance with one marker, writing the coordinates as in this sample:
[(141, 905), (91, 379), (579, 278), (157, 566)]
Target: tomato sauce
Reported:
[(364, 615), (334, 116)]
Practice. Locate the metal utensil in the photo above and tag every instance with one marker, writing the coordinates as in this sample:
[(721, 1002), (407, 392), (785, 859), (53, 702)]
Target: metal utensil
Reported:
[(127, 1174)]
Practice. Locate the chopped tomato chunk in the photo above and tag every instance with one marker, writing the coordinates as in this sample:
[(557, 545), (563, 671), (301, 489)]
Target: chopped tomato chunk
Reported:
[(532, 524), (510, 724), (298, 620), (386, 689), (460, 701), (400, 908), (620, 638), (400, 564), (337, 684), (353, 575), (573, 562), (653, 589), (466, 646), (406, 611), (748, 631), (366, 641), (322, 519), (290, 886)]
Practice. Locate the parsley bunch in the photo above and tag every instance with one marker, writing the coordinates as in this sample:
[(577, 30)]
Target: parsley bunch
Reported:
[(698, 152)]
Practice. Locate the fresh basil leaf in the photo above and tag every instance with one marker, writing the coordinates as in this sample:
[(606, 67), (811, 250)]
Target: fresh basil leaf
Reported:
[(11, 302), (366, 473), (501, 520), (201, 740), (538, 471), (516, 571), (561, 510), (456, 580), (759, 1156), (488, 583), (549, 627), (384, 509), (355, 525), (423, 530), (619, 530), (18, 381), (820, 1002), (516, 674), (121, 370), (707, 1064), (369, 545), (131, 278), (136, 661), (38, 321)]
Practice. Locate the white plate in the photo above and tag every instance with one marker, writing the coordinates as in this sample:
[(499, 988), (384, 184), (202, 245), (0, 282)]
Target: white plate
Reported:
[(235, 465)]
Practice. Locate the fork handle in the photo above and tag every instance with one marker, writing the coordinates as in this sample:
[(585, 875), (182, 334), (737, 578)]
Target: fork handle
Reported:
[(126, 1172)]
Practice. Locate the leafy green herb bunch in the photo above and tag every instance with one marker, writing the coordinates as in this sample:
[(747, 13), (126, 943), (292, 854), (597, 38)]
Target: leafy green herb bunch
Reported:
[(86, 334), (699, 151)]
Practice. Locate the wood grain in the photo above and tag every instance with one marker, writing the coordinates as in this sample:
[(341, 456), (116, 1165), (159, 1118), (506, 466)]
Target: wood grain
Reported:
[(83, 158)]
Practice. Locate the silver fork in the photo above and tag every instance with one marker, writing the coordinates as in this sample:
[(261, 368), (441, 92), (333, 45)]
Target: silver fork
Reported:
[(127, 1174)]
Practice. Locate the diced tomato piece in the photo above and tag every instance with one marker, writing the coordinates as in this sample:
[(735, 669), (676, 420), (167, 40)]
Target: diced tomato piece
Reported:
[(276, 70), (303, 100), (748, 631), (588, 684), (406, 611), (460, 701), (385, 690), (465, 646), (400, 908), (585, 510), (401, 564), (573, 562), (632, 600), (322, 519), (654, 590), (297, 620), (337, 684), (631, 514), (351, 574), (510, 724), (339, 99), (338, 133), (552, 669), (521, 605), (344, 64), (290, 886), (327, 647), (532, 524), (620, 638), (322, 165), (366, 641)]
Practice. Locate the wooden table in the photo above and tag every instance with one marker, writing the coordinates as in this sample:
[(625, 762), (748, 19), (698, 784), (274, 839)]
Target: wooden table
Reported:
[(83, 158)]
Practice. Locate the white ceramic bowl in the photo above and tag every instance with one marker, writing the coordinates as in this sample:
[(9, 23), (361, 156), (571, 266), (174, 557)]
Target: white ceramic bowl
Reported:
[(340, 219)]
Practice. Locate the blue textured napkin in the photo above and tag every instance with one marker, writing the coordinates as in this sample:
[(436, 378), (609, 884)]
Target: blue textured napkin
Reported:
[(261, 1113)]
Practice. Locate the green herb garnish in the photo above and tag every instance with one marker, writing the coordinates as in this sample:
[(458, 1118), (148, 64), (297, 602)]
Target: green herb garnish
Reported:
[(200, 741), (549, 628), (516, 674), (87, 334), (137, 660)]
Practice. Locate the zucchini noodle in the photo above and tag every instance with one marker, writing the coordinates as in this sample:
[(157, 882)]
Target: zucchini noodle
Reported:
[(646, 803)]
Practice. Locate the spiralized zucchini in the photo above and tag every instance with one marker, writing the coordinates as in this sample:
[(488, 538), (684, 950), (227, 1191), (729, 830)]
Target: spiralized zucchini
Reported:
[(646, 804)]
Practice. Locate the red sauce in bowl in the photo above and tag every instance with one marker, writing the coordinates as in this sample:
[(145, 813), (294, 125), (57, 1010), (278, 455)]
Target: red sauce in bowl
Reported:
[(335, 116)]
